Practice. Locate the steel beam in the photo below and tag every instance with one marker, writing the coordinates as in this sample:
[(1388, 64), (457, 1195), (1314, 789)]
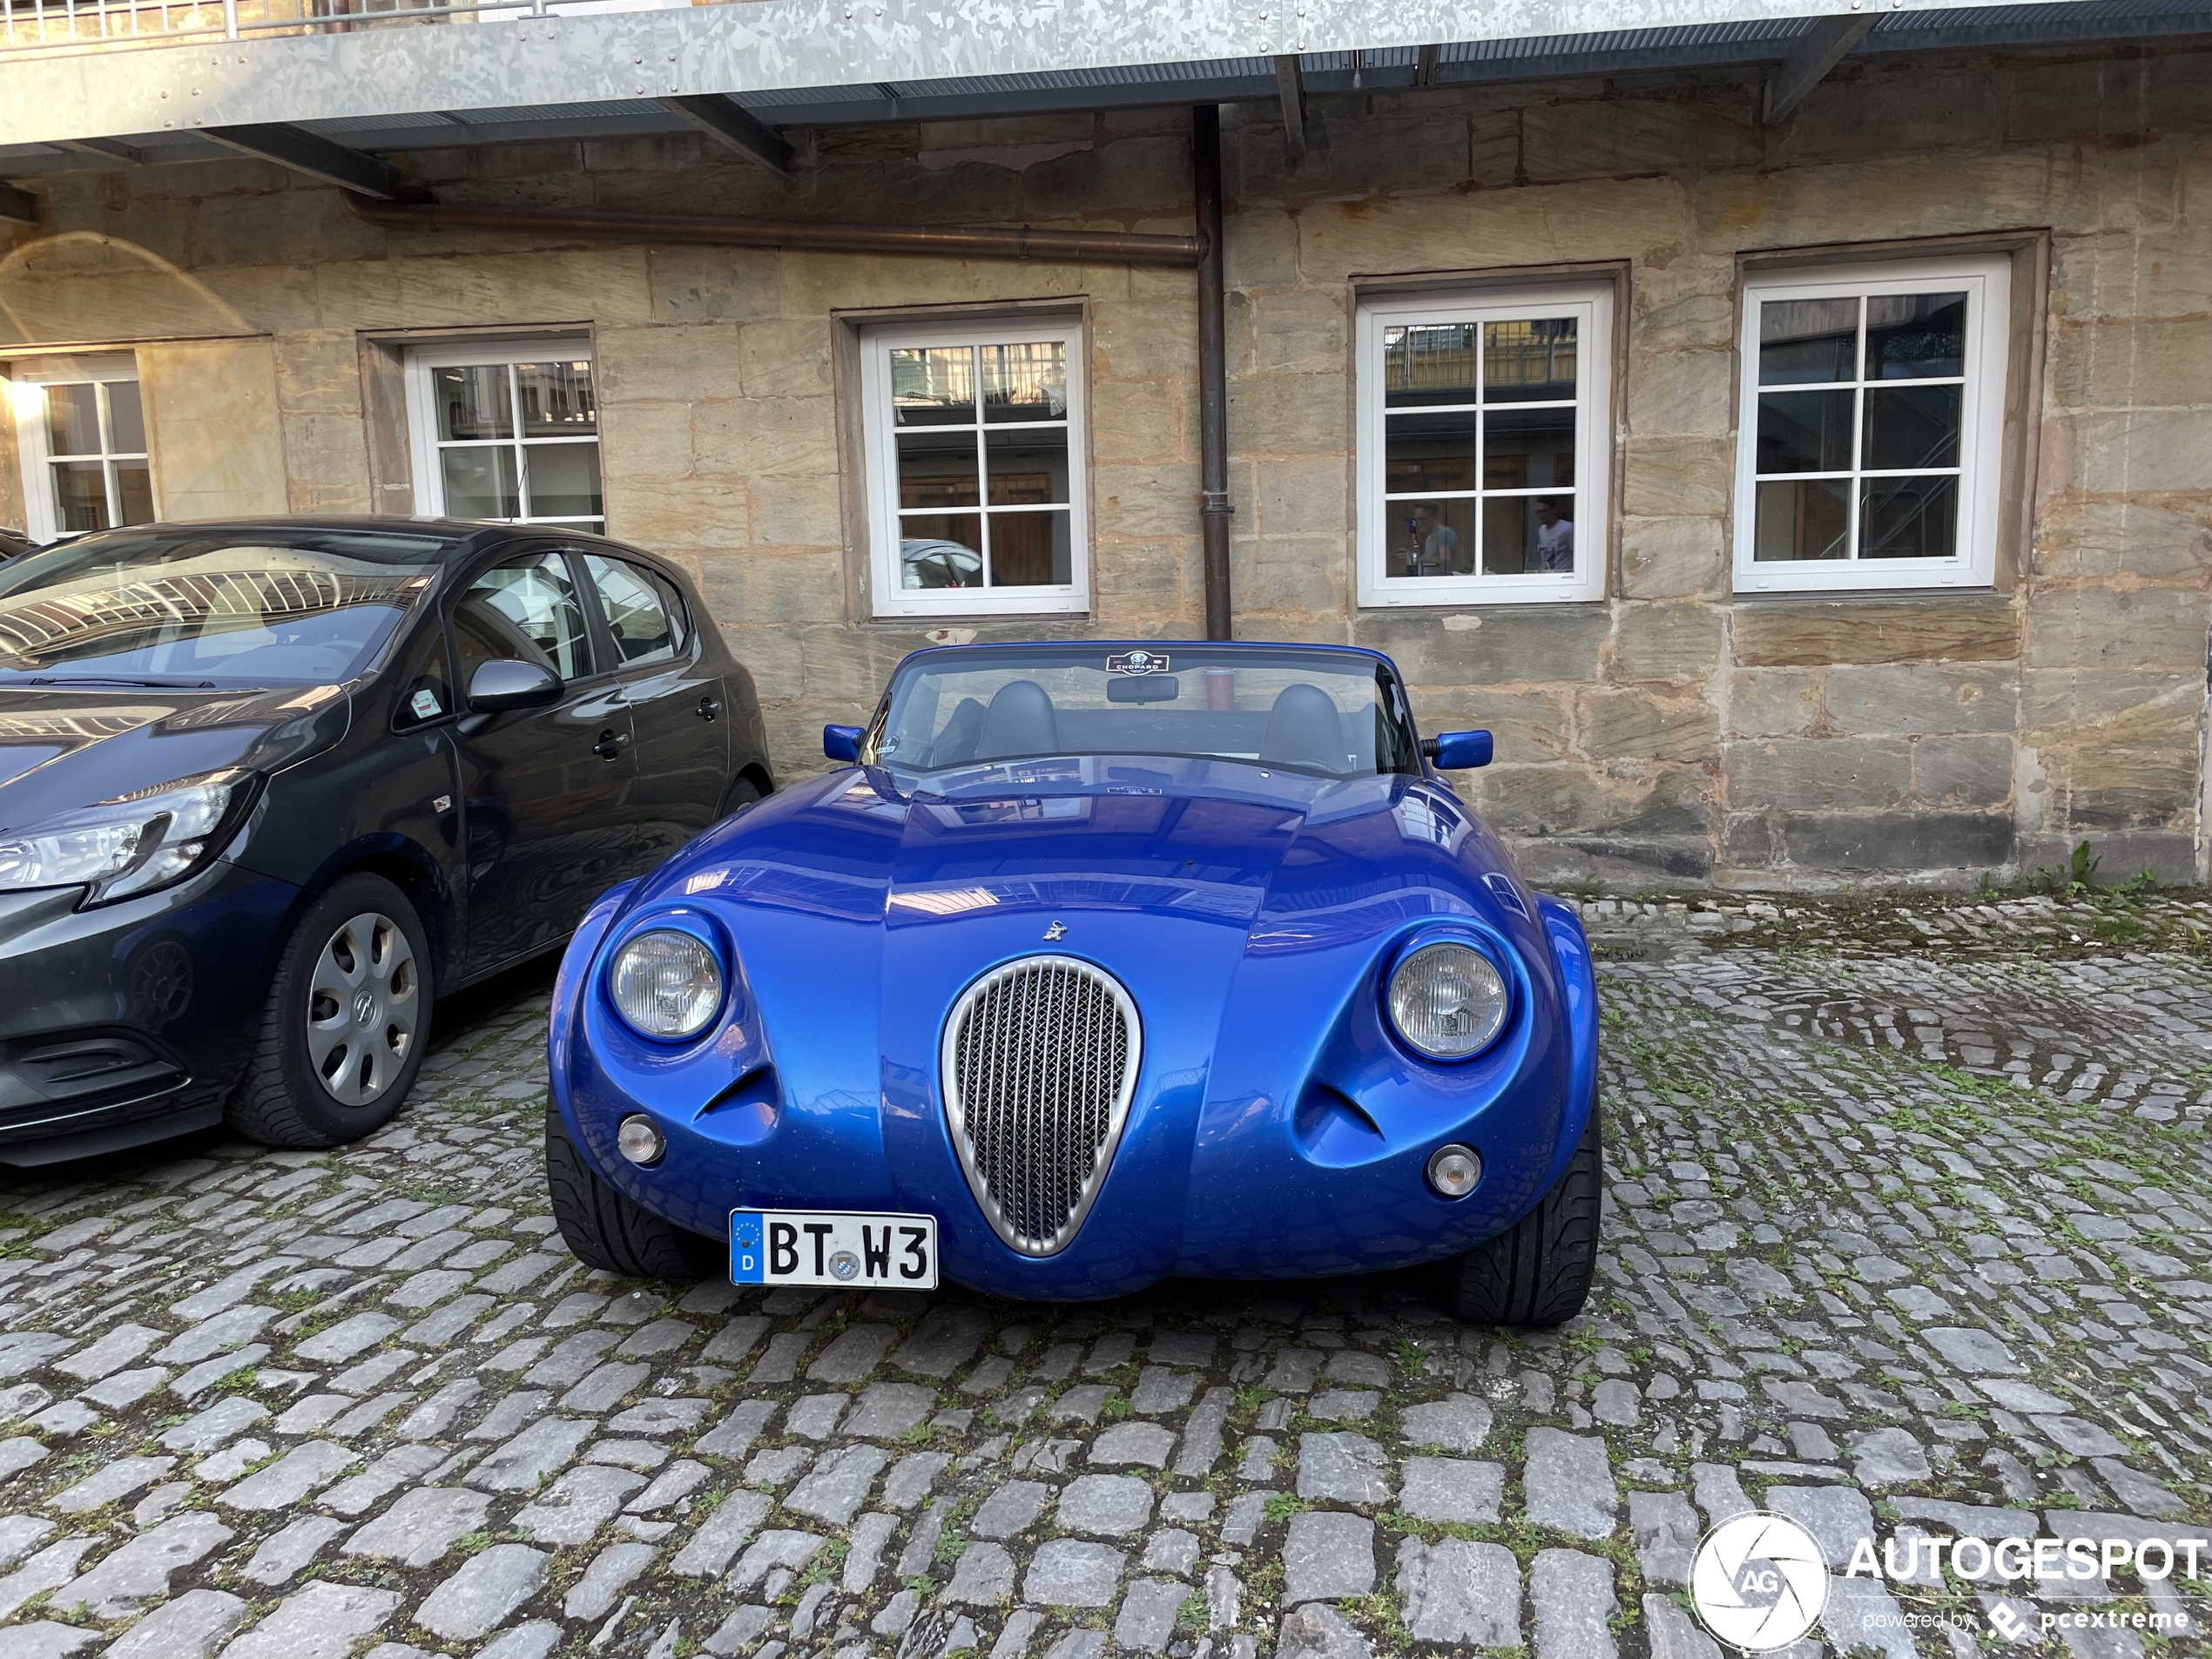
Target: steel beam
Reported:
[(1290, 90), (19, 204), (112, 149), (313, 155), (1818, 50), (735, 127), (1425, 73)]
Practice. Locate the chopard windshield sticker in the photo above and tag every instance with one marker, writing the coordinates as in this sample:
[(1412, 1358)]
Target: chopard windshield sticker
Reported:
[(1137, 662), (425, 705)]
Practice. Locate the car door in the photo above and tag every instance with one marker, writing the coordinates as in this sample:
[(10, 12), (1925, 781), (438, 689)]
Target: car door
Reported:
[(675, 699), (548, 794)]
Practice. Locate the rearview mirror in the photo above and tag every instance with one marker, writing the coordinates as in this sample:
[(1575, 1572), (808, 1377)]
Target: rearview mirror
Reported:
[(505, 684), (842, 742), (1458, 751)]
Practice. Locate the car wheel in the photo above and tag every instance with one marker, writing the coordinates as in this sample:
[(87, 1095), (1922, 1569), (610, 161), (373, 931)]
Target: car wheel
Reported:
[(1538, 1272), (346, 1024), (604, 1229), (743, 793)]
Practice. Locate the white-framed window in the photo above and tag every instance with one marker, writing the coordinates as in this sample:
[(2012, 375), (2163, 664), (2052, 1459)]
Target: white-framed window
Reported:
[(505, 430), (1871, 426), (975, 443), (1486, 441), (81, 430)]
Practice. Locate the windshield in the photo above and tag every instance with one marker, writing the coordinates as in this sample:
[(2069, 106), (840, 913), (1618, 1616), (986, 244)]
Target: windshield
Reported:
[(274, 605), (1329, 713)]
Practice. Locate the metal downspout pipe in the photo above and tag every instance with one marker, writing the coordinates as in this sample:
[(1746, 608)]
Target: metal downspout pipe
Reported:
[(1213, 373)]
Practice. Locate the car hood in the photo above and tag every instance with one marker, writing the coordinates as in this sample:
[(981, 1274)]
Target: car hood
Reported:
[(61, 750)]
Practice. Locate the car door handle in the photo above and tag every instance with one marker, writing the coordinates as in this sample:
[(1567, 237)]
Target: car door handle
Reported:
[(610, 744), (708, 708)]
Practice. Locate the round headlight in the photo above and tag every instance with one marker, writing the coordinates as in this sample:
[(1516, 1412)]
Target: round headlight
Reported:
[(667, 984), (1447, 1001)]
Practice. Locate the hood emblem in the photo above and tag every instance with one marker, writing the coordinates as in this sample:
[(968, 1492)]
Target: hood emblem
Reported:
[(1056, 933)]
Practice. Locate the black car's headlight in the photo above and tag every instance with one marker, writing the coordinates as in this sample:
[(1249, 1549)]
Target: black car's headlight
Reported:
[(666, 983), (1448, 1000), (132, 843)]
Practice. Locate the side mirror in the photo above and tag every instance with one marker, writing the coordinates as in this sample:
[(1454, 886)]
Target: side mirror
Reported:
[(842, 742), (1458, 751), (505, 684)]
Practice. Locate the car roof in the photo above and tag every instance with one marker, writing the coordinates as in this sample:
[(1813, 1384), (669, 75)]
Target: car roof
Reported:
[(468, 535)]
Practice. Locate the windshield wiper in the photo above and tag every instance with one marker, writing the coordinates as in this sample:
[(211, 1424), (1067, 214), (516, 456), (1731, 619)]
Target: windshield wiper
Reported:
[(115, 679)]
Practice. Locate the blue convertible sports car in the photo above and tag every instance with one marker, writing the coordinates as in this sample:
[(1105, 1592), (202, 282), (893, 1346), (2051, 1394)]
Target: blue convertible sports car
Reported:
[(1100, 963)]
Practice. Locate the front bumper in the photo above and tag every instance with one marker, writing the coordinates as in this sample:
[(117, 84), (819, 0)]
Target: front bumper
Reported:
[(129, 1022)]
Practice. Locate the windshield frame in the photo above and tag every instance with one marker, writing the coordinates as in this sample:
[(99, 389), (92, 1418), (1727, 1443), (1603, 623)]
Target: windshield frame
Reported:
[(1391, 688)]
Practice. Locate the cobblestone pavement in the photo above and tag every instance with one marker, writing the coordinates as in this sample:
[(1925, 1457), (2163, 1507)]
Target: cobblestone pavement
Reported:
[(1899, 1242)]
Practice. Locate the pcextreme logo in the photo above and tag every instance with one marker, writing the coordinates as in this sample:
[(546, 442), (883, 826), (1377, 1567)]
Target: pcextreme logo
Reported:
[(1758, 1581)]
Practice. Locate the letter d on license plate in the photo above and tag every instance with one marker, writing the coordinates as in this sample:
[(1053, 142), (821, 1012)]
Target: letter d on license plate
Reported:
[(822, 1247)]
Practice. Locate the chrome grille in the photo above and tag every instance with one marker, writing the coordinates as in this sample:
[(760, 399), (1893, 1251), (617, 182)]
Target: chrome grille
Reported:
[(1040, 1061)]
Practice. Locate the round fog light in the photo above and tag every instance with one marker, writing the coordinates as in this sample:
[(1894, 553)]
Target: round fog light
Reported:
[(1452, 1171), (641, 1140)]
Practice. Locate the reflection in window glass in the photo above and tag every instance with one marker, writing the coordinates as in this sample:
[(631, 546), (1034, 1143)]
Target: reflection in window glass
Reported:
[(74, 420), (524, 611), (1875, 455), (517, 443), (94, 434), (931, 386), (631, 603)]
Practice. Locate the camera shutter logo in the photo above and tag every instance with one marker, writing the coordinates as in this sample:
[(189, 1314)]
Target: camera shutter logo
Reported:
[(1759, 1582)]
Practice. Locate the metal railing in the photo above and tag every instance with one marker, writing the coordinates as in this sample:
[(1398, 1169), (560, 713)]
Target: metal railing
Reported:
[(53, 28)]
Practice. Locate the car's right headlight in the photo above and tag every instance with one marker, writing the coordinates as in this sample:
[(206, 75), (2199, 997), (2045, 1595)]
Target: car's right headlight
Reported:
[(1448, 1000), (132, 843), (667, 984)]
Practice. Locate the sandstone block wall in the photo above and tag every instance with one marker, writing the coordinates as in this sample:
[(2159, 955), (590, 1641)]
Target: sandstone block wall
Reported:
[(1671, 732)]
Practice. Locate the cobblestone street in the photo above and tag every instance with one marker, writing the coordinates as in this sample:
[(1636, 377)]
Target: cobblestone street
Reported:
[(1906, 1225)]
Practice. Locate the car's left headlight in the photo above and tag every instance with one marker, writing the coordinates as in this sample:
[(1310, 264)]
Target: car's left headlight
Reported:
[(1448, 1000), (666, 983), (131, 844)]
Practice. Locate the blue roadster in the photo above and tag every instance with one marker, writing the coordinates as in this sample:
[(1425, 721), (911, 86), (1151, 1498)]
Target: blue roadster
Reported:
[(1098, 963)]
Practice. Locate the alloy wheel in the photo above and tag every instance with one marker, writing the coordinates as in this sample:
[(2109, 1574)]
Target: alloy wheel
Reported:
[(363, 1008)]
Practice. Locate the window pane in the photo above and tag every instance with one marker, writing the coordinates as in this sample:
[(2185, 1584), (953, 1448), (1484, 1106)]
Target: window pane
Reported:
[(526, 610), (1915, 336), (1911, 426), (564, 481), (80, 495), (73, 420), (1031, 549), (632, 607), (1804, 431), (1428, 363), (1529, 362), (940, 550), (1807, 519), (558, 399), (1026, 382), (1508, 545), (672, 603), (1429, 538), (126, 420), (937, 469), (480, 482), (1525, 448), (134, 488), (1802, 343), (933, 386), (1027, 469), (472, 402), (1908, 518), (1424, 452)]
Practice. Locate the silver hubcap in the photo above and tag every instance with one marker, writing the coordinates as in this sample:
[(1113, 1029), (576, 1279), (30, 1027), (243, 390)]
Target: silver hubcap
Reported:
[(362, 1008)]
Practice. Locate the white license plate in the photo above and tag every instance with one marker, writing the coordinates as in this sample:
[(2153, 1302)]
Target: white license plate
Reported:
[(823, 1247)]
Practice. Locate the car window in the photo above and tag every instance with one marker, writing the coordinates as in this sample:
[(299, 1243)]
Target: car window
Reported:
[(425, 693), (635, 610), (671, 600), (526, 610)]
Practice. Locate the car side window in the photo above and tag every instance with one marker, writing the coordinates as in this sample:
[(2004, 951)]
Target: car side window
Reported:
[(635, 607), (425, 693), (528, 610)]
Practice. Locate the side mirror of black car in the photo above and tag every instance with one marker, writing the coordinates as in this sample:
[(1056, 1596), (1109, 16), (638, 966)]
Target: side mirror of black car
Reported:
[(506, 684), (1458, 751)]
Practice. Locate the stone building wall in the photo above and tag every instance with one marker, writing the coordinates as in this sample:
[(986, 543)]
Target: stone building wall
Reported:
[(1668, 732)]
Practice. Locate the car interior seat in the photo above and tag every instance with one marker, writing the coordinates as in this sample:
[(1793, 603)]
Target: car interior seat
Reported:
[(1304, 729), (1019, 721)]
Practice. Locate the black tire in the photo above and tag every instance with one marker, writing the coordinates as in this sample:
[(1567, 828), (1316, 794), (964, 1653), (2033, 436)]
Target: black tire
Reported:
[(604, 1229), (743, 793), (1538, 1272), (283, 1099)]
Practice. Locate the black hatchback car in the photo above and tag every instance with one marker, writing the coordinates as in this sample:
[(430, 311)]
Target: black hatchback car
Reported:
[(268, 787)]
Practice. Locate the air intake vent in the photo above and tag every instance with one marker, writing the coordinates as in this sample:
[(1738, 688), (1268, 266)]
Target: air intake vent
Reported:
[(1040, 1061)]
